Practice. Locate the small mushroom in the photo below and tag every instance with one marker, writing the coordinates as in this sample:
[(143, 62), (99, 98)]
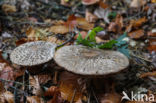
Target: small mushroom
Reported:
[(30, 55), (89, 2), (33, 53), (90, 61)]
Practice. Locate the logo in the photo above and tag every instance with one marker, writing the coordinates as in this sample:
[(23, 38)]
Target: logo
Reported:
[(138, 97)]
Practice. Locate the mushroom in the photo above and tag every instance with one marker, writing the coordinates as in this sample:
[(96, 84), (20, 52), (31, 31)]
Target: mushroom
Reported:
[(33, 53), (90, 61), (89, 2)]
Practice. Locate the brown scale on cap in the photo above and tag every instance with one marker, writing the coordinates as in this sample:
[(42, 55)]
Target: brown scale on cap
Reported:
[(33, 53), (89, 61)]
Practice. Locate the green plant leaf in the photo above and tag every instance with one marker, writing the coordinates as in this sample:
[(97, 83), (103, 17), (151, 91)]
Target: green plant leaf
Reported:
[(108, 45), (120, 40), (91, 35), (112, 15), (124, 50)]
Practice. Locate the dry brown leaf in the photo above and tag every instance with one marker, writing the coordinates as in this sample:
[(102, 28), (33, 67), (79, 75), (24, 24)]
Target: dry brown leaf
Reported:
[(117, 25), (54, 92), (83, 24), (152, 45), (148, 74), (68, 84), (103, 5), (51, 91), (8, 8), (65, 3), (43, 78), (139, 22), (137, 34), (137, 102), (80, 22), (6, 97), (34, 99), (7, 73), (53, 39), (153, 1), (137, 3), (62, 29), (36, 88), (151, 34), (110, 98), (31, 34), (90, 17), (2, 89), (99, 40)]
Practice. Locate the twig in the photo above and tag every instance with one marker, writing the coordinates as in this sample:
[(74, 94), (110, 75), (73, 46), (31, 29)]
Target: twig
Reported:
[(72, 36), (88, 99), (73, 97), (141, 58), (95, 95), (3, 80)]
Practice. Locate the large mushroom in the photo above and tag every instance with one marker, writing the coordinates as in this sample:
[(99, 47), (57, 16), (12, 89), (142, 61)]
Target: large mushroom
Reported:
[(89, 61), (92, 63)]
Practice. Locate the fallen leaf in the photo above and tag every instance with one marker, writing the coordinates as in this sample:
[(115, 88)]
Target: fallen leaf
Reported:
[(102, 14), (117, 25), (150, 34), (71, 22), (65, 3), (152, 45), (148, 74), (62, 29), (90, 17), (8, 8), (31, 34), (7, 73), (34, 99), (110, 98), (99, 40), (68, 84), (53, 39), (43, 78), (139, 22), (137, 3), (137, 102), (153, 1), (37, 33), (36, 88), (2, 89), (103, 5), (52, 91), (83, 24), (6, 97), (137, 34)]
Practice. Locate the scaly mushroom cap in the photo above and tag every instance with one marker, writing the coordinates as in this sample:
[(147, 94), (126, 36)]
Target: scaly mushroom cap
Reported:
[(33, 53), (88, 61)]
